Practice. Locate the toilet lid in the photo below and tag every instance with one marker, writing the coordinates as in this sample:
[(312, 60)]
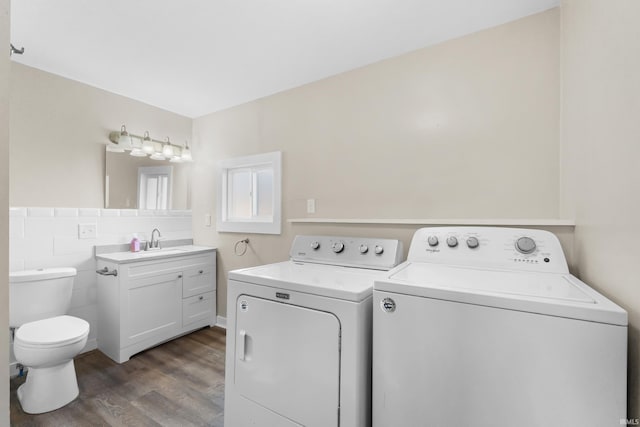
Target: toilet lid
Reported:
[(55, 331)]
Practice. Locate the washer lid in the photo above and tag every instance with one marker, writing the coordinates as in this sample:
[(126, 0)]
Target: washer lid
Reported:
[(55, 331), (347, 283), (553, 294)]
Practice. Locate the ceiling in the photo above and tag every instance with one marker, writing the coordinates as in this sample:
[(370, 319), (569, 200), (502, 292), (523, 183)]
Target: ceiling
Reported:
[(194, 57)]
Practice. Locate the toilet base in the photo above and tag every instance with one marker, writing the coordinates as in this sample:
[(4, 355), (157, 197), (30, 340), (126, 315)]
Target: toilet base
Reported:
[(50, 388)]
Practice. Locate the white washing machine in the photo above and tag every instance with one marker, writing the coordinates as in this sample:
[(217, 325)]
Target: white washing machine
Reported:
[(486, 327), (299, 335)]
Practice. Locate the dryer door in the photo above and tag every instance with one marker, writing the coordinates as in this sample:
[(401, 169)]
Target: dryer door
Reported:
[(288, 360)]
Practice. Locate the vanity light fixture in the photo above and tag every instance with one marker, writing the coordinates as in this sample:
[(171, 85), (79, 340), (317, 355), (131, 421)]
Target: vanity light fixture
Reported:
[(142, 146), (176, 157), (186, 153), (115, 137), (124, 140), (167, 149), (136, 148), (148, 146), (157, 156)]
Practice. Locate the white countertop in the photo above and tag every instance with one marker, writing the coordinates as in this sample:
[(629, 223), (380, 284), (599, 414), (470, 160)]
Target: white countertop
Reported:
[(169, 252)]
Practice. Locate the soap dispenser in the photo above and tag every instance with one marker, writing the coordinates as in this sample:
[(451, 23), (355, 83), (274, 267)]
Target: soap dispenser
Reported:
[(135, 244)]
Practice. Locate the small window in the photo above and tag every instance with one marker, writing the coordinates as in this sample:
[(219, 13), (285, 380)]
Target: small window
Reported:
[(249, 196)]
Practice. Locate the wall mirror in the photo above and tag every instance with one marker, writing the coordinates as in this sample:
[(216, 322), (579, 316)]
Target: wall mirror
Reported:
[(142, 183)]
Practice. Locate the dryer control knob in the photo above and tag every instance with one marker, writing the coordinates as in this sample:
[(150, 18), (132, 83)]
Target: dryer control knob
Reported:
[(432, 240), (337, 247), (452, 241), (315, 245), (378, 250), (473, 242), (525, 245), (364, 249)]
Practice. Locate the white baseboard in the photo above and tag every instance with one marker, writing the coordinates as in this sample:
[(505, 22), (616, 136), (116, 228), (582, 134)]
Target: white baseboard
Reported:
[(221, 322)]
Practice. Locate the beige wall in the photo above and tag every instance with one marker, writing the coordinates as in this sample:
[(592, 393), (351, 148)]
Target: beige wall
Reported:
[(601, 152), (465, 129), (4, 215), (59, 128)]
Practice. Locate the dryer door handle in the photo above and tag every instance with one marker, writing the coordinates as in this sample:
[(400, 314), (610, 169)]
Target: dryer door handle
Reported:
[(242, 338)]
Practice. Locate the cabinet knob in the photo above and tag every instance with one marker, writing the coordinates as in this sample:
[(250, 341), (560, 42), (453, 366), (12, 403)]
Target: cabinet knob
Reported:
[(179, 276), (201, 271)]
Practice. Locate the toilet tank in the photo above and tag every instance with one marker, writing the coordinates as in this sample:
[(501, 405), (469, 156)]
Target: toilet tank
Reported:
[(39, 294)]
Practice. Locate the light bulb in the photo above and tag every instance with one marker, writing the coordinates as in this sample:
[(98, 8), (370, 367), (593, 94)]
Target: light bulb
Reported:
[(167, 149), (147, 144), (186, 153), (124, 141)]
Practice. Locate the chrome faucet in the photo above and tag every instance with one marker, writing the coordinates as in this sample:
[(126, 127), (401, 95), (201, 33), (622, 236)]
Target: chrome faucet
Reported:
[(155, 245)]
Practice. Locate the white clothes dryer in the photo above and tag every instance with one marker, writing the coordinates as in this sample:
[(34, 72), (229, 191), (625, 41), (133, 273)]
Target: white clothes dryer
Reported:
[(299, 335), (486, 327)]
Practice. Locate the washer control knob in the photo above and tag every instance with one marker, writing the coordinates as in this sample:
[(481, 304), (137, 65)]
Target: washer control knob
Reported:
[(364, 249), (337, 247), (473, 242), (315, 245), (378, 250), (452, 241), (432, 240), (525, 245)]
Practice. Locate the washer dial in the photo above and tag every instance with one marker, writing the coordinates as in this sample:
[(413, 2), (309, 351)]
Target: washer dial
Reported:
[(364, 249), (525, 245), (337, 247), (452, 241), (472, 242), (378, 250), (432, 240), (315, 245)]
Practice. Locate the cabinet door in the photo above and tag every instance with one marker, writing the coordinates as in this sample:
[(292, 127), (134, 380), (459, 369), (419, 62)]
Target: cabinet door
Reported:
[(198, 280), (152, 309), (288, 360)]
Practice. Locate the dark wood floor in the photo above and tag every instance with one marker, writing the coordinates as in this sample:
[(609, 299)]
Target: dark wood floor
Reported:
[(180, 383)]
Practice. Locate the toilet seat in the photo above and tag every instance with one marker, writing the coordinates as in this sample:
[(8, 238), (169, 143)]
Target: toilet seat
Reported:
[(52, 332)]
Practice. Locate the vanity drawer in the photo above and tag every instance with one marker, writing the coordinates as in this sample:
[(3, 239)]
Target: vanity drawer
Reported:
[(197, 280), (198, 308)]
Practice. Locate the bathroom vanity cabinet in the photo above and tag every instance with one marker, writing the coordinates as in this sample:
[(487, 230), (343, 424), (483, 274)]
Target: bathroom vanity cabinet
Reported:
[(148, 300)]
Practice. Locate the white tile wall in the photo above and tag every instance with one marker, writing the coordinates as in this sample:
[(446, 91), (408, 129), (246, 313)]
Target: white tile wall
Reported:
[(48, 237)]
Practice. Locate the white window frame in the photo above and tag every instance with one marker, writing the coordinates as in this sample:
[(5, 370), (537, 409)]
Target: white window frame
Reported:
[(261, 225)]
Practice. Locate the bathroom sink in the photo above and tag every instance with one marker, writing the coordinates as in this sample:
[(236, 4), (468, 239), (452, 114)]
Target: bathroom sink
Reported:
[(159, 252), (169, 252)]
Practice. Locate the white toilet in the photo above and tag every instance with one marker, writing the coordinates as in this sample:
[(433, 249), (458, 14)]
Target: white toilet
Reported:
[(46, 340)]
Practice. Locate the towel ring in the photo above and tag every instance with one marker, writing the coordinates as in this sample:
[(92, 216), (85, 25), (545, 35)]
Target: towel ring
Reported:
[(243, 249)]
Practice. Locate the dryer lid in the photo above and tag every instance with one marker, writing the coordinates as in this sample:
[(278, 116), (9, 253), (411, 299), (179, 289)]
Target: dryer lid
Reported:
[(346, 283), (545, 293), (55, 331)]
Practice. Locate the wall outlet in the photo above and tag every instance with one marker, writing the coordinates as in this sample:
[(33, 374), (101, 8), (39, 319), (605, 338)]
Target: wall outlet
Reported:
[(311, 206), (87, 231)]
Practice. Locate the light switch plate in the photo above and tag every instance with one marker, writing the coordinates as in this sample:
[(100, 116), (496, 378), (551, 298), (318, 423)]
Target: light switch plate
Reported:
[(207, 220), (311, 206), (87, 231)]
